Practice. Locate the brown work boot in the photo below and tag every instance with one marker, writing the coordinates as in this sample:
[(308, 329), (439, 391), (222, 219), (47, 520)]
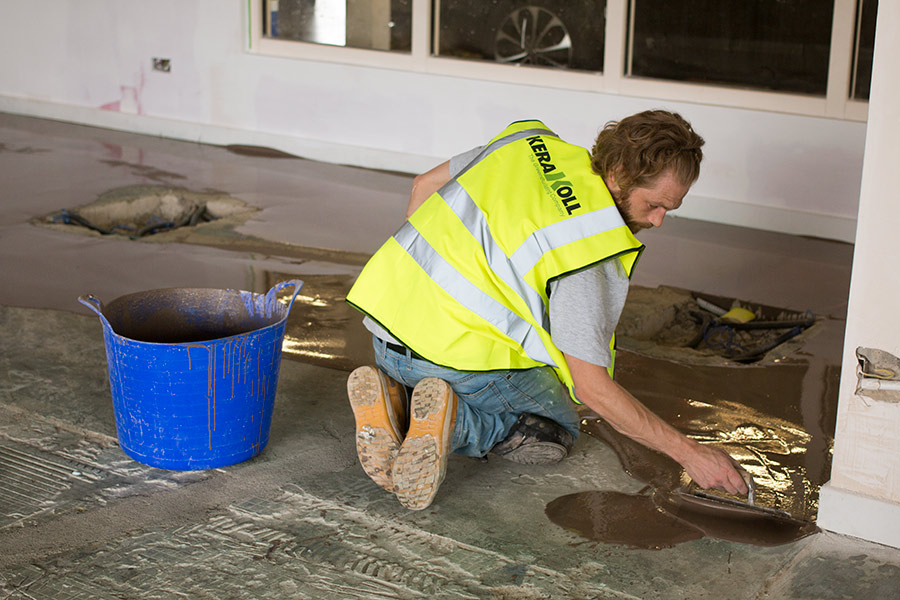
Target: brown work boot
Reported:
[(422, 461), (535, 440), (379, 406)]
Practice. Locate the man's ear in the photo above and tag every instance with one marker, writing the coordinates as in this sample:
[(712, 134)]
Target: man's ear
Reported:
[(611, 180)]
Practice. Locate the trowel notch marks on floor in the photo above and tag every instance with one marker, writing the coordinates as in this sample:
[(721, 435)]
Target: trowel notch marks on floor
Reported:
[(32, 481), (418, 545), (346, 546), (308, 543), (57, 424), (72, 587)]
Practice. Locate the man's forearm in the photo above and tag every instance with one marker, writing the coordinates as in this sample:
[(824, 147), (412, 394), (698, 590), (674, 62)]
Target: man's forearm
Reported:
[(426, 184), (618, 407)]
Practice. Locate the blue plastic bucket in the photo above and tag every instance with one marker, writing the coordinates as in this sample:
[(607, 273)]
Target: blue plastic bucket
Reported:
[(193, 372)]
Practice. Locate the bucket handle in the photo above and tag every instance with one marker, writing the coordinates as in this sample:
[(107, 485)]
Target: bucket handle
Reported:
[(95, 305), (272, 293)]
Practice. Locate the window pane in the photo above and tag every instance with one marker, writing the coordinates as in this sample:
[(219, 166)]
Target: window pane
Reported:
[(765, 44), (369, 24), (549, 33), (865, 48)]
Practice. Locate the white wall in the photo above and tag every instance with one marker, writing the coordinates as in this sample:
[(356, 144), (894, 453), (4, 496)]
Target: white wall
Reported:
[(90, 62), (863, 496)]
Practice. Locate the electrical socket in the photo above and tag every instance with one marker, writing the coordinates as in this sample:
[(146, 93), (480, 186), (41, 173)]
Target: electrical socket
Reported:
[(162, 64)]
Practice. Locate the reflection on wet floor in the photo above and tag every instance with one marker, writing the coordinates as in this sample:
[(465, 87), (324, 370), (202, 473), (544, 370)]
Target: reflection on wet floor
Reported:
[(323, 329), (777, 419)]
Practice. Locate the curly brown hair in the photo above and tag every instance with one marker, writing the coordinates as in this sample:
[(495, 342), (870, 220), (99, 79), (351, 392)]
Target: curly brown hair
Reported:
[(640, 147)]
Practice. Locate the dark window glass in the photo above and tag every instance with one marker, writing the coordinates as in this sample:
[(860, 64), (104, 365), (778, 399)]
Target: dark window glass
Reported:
[(865, 48), (369, 24), (765, 44), (564, 34)]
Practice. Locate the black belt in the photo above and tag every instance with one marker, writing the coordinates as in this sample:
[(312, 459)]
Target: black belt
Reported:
[(402, 350)]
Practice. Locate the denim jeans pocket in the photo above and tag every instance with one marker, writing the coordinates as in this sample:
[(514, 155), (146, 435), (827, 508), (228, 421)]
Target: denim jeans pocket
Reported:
[(537, 391), (482, 392)]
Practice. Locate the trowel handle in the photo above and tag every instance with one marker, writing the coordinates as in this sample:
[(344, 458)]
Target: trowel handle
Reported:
[(751, 487), (92, 303)]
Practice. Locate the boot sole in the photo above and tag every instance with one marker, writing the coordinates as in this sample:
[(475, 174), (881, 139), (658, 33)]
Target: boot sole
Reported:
[(377, 443), (536, 453), (422, 461)]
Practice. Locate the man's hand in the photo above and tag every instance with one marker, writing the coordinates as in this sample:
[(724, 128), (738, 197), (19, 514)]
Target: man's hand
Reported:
[(712, 468)]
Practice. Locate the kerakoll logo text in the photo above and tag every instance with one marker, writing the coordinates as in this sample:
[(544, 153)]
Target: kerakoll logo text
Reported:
[(554, 177)]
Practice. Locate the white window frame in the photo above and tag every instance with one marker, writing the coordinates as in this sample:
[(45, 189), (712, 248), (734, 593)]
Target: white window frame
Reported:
[(836, 104)]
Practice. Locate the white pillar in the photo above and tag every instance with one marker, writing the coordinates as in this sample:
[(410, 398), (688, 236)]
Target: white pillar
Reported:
[(863, 497)]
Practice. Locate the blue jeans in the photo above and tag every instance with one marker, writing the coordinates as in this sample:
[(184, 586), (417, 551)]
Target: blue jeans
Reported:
[(490, 402)]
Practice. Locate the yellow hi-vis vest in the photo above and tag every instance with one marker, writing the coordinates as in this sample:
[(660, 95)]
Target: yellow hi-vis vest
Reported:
[(464, 282)]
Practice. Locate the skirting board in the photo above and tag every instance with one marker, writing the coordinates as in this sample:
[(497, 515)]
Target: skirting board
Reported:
[(702, 208), (849, 513), (768, 218), (204, 133)]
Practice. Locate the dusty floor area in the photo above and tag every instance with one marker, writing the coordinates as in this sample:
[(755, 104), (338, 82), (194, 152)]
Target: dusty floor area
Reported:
[(79, 519)]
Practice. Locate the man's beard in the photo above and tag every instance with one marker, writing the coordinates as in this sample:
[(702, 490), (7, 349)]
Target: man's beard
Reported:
[(623, 203)]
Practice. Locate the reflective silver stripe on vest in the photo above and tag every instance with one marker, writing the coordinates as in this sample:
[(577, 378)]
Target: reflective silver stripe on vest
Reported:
[(470, 296), (459, 201), (559, 234)]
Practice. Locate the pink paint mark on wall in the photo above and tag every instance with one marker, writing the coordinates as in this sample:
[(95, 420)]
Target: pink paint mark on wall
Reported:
[(130, 102)]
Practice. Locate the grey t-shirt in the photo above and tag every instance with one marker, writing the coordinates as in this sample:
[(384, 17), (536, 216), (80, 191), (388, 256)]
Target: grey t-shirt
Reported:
[(584, 306)]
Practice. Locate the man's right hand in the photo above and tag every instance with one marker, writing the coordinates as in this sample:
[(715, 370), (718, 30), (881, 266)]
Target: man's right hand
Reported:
[(712, 468)]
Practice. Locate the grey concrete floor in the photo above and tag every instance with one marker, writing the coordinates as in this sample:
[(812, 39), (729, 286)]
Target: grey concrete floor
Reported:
[(79, 519)]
